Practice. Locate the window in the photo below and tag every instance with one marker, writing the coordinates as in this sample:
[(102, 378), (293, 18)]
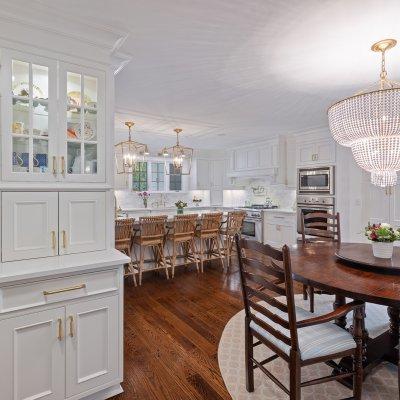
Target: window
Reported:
[(139, 177), (157, 176), (175, 179)]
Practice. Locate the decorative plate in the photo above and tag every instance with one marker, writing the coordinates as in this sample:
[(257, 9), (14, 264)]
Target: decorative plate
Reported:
[(88, 132)]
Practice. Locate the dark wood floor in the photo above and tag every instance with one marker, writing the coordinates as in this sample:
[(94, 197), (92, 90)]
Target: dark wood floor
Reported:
[(172, 330)]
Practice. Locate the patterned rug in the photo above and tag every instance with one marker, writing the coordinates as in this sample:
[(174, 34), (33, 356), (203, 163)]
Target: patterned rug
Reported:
[(380, 385)]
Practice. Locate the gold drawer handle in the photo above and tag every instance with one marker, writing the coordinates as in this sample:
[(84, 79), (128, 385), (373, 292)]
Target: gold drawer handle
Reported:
[(62, 165), (64, 237), (60, 329), (54, 165), (53, 239), (68, 289), (71, 326)]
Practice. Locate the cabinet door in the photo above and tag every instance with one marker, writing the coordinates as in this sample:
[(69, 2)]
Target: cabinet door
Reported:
[(32, 361), (265, 156), (217, 174), (216, 197), (82, 218), (305, 153), (92, 344), (240, 160), (29, 117), (30, 225), (82, 124), (326, 151), (203, 174), (288, 234), (272, 234), (253, 158)]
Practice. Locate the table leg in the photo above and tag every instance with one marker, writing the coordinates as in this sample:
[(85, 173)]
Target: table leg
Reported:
[(394, 331), (340, 301)]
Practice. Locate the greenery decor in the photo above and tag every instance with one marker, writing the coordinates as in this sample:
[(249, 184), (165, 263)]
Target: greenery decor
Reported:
[(382, 232)]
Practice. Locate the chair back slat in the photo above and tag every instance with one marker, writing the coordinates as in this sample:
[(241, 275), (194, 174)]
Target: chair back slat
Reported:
[(210, 223), (234, 222), (184, 225), (250, 292), (152, 227), (123, 229), (321, 225), (268, 269)]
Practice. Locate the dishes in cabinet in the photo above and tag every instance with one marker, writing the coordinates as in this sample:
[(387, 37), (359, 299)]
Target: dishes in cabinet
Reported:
[(88, 132), (18, 127), (22, 89)]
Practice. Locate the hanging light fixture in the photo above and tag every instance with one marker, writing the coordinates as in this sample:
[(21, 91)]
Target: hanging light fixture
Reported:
[(129, 152), (181, 157), (369, 123)]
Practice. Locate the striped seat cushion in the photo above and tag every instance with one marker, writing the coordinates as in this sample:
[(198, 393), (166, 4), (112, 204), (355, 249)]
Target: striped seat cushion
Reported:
[(314, 341)]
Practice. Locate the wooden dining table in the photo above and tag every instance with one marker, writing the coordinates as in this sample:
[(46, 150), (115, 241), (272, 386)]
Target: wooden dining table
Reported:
[(316, 264)]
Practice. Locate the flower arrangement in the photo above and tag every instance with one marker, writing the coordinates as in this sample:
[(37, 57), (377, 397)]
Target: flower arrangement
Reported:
[(382, 232), (180, 205), (196, 200), (144, 196)]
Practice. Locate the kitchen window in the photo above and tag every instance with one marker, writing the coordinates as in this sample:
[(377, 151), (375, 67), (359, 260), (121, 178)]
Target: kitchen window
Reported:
[(151, 176)]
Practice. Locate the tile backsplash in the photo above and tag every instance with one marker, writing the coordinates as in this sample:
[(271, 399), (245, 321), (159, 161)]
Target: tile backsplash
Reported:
[(127, 199)]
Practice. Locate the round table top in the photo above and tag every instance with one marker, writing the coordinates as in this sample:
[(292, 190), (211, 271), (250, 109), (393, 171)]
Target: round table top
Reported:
[(316, 264)]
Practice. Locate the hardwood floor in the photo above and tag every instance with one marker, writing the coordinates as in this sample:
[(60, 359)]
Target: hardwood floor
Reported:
[(172, 330)]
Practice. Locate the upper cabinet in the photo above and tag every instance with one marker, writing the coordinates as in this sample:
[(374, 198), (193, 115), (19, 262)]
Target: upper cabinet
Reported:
[(53, 120), (318, 151)]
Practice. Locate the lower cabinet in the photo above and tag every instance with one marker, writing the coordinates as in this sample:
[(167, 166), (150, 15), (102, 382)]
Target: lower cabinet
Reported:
[(60, 353), (43, 224), (279, 229)]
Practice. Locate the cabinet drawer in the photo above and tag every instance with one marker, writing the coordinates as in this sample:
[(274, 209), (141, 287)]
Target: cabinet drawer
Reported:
[(50, 291), (281, 219)]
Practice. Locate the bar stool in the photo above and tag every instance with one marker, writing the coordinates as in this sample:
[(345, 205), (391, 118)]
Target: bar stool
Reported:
[(233, 226), (123, 243), (180, 234), (208, 236), (319, 227), (150, 235)]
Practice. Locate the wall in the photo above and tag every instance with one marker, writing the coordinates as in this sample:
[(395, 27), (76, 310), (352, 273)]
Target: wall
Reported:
[(127, 199)]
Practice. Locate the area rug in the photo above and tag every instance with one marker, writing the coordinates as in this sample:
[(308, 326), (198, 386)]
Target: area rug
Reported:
[(380, 385)]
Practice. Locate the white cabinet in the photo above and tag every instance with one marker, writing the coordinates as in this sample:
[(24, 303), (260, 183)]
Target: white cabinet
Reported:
[(318, 151), (43, 224), (32, 361), (30, 225), (53, 120), (203, 174), (82, 222), (92, 344), (279, 228)]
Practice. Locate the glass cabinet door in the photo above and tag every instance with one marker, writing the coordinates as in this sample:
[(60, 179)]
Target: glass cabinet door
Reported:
[(29, 118), (82, 147)]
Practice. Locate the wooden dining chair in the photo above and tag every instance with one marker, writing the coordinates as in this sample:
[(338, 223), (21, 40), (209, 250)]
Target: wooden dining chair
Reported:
[(293, 334), (233, 226), (150, 235), (207, 234), (123, 243), (317, 227), (180, 236)]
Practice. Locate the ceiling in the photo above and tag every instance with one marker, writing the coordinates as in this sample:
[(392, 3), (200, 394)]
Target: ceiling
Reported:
[(234, 71)]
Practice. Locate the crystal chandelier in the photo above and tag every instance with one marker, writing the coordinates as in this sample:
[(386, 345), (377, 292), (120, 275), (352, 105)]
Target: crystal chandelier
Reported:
[(369, 123), (128, 153), (181, 157)]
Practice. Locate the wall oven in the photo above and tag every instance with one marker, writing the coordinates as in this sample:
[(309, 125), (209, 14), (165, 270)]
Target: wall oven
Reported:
[(310, 204), (316, 180)]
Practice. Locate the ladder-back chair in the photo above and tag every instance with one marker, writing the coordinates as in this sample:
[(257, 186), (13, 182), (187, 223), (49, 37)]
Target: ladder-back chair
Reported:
[(123, 243)]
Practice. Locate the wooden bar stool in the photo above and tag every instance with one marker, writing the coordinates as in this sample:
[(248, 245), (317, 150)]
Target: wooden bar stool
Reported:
[(180, 234), (150, 235), (319, 227), (208, 236), (233, 226), (123, 243)]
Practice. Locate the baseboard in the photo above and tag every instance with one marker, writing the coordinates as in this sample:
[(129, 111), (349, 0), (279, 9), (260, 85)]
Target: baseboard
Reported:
[(105, 393)]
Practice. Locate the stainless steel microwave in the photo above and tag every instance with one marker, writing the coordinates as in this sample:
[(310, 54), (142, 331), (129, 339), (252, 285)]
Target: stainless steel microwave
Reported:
[(316, 180)]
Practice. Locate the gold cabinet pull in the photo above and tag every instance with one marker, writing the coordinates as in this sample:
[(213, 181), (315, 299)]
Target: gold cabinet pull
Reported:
[(53, 240), (68, 289), (62, 165), (71, 326), (54, 165), (60, 329), (64, 237)]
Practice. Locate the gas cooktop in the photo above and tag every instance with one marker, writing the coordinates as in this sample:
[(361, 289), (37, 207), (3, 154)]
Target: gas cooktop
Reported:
[(260, 207)]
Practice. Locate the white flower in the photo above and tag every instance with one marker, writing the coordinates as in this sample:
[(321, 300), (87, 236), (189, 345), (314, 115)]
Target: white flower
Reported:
[(385, 225)]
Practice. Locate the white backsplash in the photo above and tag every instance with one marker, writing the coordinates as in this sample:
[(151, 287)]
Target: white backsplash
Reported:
[(279, 195), (127, 199)]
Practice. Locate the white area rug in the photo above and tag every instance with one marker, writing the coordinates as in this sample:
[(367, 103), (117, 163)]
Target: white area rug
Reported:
[(380, 385)]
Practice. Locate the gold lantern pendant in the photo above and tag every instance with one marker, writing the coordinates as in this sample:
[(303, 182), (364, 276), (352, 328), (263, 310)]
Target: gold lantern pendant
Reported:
[(181, 157)]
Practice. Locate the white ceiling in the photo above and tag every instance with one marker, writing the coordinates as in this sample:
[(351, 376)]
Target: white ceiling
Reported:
[(232, 71)]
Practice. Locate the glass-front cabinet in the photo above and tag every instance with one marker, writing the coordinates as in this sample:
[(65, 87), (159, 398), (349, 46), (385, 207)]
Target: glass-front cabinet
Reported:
[(52, 120)]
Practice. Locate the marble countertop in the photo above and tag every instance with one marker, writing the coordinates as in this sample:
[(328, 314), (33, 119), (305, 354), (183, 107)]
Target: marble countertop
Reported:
[(173, 208), (280, 210)]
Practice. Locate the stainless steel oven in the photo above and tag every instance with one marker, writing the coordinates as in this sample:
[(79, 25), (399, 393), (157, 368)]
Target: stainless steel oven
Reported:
[(252, 225), (317, 180), (309, 204)]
